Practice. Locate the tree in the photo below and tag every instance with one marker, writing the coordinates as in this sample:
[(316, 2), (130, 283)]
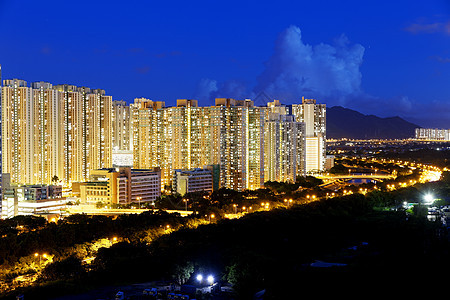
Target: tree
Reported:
[(339, 169), (68, 268), (308, 181), (29, 222), (445, 177), (182, 272), (55, 179), (421, 211)]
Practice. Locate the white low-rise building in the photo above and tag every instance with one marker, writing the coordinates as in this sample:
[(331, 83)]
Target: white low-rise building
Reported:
[(37, 200), (195, 180)]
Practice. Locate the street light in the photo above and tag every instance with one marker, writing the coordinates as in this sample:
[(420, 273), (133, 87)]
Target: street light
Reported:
[(211, 216), (139, 201), (44, 255), (429, 198), (210, 279), (186, 201), (199, 277)]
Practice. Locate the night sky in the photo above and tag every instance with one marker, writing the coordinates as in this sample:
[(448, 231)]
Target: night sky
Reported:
[(388, 58)]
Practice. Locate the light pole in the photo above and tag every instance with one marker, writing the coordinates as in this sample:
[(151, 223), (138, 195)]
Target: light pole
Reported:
[(211, 216), (36, 255), (44, 255), (139, 201), (235, 208), (185, 201)]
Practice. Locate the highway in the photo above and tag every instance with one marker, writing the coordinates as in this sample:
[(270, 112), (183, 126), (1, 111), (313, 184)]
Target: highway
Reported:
[(91, 210), (373, 176)]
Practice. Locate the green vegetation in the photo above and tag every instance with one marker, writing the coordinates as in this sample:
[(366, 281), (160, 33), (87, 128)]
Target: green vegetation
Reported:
[(380, 243), (264, 250)]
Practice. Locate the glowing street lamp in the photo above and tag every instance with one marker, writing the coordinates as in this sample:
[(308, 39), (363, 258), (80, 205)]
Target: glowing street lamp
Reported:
[(44, 255), (139, 201), (429, 198), (199, 277), (210, 279)]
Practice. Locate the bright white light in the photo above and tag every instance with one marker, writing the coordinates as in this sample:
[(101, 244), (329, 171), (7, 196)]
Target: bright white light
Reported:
[(429, 198), (210, 279), (199, 277)]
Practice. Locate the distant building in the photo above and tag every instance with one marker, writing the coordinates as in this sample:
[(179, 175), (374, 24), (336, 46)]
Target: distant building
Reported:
[(194, 180), (283, 148), (314, 117), (329, 162), (433, 134), (121, 186), (122, 135), (122, 158)]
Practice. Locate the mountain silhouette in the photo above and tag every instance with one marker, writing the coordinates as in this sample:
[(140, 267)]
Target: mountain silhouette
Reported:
[(347, 123)]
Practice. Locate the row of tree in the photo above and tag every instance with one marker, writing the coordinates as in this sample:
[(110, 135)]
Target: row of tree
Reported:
[(273, 250)]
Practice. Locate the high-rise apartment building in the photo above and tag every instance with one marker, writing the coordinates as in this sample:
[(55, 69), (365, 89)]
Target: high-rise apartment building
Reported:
[(314, 117), (18, 130), (64, 132), (284, 148), (152, 137), (233, 134), (1, 169), (241, 148), (87, 121), (122, 138), (54, 133)]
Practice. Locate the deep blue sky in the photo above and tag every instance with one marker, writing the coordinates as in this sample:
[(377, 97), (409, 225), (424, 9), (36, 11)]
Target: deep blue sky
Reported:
[(385, 58)]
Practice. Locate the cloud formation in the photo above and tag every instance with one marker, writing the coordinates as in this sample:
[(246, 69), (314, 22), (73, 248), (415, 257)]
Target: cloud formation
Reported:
[(435, 27), (329, 73), (322, 71), (208, 89)]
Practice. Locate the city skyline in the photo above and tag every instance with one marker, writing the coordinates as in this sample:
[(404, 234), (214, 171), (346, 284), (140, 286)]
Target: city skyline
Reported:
[(62, 133), (394, 62)]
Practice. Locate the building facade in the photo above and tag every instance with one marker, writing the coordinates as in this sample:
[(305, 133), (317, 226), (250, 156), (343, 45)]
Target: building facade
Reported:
[(433, 134), (54, 133), (121, 186), (313, 115), (38, 200), (194, 180), (249, 144), (63, 133)]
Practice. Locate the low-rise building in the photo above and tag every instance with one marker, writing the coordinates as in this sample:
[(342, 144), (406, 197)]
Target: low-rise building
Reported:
[(38, 200), (121, 186), (194, 180)]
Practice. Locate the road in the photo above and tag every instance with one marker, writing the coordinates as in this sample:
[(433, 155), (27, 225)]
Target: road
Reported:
[(91, 210), (373, 176)]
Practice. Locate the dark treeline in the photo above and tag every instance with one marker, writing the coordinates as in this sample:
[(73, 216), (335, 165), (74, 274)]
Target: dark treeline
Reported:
[(273, 250), (25, 235), (426, 155)]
